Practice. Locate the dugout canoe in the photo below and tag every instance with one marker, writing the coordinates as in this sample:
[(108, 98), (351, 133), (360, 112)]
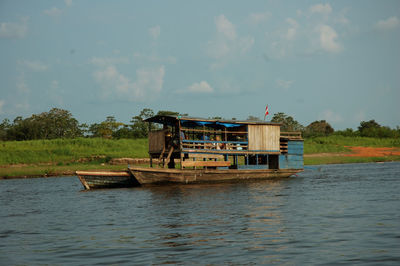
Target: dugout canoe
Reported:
[(106, 179), (146, 176)]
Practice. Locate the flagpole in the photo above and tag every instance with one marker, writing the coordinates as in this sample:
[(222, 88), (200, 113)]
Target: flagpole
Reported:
[(266, 112)]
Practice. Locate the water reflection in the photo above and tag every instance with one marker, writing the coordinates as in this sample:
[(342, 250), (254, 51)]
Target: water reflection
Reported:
[(192, 216), (339, 214)]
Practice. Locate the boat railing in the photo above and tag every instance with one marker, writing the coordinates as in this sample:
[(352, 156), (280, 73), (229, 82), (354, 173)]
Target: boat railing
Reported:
[(295, 135), (214, 145)]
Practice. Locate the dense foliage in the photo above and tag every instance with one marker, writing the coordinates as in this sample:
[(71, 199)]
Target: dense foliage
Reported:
[(288, 122), (58, 123)]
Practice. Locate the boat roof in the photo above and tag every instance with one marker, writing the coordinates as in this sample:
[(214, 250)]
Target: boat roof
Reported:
[(196, 121)]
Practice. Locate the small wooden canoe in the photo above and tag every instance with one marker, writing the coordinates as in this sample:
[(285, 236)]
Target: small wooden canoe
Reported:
[(104, 179)]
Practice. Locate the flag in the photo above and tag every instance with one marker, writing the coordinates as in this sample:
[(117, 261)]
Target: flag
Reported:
[(266, 112)]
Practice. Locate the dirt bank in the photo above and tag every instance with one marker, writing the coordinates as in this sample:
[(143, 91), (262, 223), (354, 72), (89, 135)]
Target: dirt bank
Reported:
[(359, 152), (372, 152)]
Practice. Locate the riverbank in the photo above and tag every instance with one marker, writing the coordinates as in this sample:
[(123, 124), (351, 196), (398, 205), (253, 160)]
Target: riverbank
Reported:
[(355, 155), (45, 158)]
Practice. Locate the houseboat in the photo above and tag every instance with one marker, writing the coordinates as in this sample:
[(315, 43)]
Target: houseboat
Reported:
[(195, 150)]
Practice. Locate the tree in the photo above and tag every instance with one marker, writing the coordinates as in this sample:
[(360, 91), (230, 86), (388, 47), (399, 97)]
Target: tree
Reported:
[(139, 127), (58, 123), (105, 129), (288, 122), (318, 128), (166, 112), (253, 118), (368, 128), (124, 132)]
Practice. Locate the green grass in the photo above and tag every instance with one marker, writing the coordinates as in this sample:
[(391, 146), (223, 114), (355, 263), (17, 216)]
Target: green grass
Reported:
[(61, 151), (65, 156), (51, 170), (335, 144), (344, 159)]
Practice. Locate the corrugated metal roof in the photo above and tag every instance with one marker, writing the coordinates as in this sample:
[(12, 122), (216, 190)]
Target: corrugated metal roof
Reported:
[(172, 119)]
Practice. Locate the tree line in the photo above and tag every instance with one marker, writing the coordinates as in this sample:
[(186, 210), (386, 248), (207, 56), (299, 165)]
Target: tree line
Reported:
[(59, 123), (322, 128)]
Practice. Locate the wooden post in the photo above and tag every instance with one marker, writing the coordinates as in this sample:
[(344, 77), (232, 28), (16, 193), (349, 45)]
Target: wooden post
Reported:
[(180, 143), (169, 156)]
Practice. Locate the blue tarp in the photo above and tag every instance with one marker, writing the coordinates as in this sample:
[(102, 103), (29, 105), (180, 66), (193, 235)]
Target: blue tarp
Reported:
[(191, 123)]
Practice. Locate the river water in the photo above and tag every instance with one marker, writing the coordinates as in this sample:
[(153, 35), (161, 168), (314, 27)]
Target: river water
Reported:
[(330, 214)]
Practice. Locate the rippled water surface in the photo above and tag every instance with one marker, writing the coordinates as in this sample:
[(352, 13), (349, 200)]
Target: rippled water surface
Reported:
[(333, 214)]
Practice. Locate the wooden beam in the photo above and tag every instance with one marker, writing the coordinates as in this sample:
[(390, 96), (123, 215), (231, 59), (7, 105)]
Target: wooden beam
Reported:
[(206, 156), (169, 155), (205, 163)]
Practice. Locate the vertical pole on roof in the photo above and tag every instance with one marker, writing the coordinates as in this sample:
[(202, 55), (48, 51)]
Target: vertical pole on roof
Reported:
[(226, 139), (180, 142), (204, 137), (151, 156)]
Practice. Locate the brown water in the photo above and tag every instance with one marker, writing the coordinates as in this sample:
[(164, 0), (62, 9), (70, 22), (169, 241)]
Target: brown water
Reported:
[(336, 214)]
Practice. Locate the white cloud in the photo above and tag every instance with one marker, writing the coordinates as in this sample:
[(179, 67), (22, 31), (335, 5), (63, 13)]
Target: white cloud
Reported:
[(148, 84), (328, 39), (21, 85), (330, 116), (388, 24), (53, 12), (2, 102), (257, 18), (155, 32), (292, 30), (245, 44), (225, 27), (227, 44), (106, 61), (341, 17), (35, 66), (144, 58), (321, 9), (54, 85), (149, 81), (10, 30), (284, 84), (68, 3), (202, 87)]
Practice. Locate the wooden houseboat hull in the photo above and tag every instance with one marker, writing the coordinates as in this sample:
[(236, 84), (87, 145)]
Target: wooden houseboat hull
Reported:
[(147, 176), (103, 179)]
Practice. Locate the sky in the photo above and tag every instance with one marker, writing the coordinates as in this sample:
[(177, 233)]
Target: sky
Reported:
[(313, 60)]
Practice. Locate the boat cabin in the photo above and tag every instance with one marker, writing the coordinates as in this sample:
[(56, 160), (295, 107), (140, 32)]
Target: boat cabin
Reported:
[(223, 144)]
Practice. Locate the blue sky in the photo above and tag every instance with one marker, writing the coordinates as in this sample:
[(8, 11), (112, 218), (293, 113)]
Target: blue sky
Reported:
[(313, 60)]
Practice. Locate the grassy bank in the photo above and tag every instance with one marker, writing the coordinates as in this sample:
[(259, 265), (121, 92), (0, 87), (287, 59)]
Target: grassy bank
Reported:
[(63, 151), (333, 149), (65, 156), (335, 144)]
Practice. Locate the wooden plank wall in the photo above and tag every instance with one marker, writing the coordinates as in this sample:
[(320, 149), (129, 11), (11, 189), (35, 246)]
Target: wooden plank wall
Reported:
[(264, 137), (294, 157), (156, 141)]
